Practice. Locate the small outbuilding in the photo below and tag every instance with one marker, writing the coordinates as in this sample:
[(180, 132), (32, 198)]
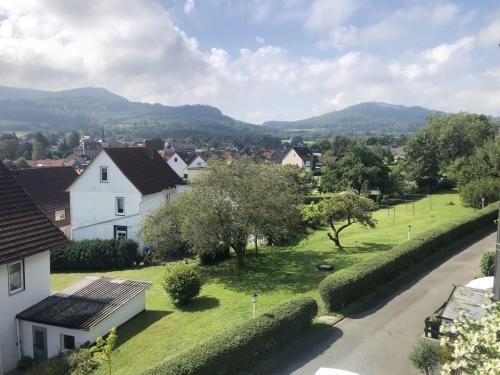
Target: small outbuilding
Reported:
[(78, 315)]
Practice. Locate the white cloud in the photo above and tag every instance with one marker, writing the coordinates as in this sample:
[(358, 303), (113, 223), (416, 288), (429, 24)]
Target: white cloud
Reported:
[(134, 49), (324, 15), (259, 40), (189, 6)]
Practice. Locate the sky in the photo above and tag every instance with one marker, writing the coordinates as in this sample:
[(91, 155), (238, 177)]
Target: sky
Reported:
[(260, 60)]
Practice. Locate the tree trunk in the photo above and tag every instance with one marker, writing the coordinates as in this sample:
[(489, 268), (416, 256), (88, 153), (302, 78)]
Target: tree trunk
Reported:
[(335, 239), (256, 241), (240, 262)]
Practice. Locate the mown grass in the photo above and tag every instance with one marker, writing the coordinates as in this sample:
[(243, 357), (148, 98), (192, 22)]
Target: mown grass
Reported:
[(276, 274)]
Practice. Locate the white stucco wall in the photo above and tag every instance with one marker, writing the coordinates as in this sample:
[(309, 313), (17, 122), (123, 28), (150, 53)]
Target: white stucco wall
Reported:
[(178, 166), (93, 210), (36, 274), (292, 158), (54, 334)]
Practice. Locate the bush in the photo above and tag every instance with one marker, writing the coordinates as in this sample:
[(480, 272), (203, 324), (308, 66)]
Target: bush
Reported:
[(216, 254), (238, 349), (487, 188), (24, 363), (488, 263), (181, 282), (426, 355), (348, 284), (94, 255)]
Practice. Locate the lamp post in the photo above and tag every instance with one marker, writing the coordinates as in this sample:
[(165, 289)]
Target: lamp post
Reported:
[(409, 232), (254, 303)]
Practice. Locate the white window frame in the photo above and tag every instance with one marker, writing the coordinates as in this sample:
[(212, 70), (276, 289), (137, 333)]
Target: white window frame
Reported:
[(60, 215), (21, 288), (107, 174), (116, 231), (64, 348), (123, 206)]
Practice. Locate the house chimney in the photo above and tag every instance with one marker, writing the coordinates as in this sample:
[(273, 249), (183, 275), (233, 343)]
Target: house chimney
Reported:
[(496, 280), (150, 148)]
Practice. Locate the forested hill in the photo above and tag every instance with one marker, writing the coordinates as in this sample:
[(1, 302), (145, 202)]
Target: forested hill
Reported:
[(360, 118), (89, 109)]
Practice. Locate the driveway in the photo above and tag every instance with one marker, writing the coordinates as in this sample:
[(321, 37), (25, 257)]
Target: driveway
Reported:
[(378, 340)]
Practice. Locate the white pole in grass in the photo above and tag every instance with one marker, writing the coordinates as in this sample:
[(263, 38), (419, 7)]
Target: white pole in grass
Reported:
[(482, 202), (409, 232), (254, 302)]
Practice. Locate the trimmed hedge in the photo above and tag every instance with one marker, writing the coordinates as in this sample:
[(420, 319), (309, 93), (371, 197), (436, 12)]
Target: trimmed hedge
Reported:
[(237, 349), (348, 284), (94, 255)]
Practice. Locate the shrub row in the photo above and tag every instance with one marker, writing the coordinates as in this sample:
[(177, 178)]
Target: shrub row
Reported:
[(348, 284), (94, 255), (237, 349)]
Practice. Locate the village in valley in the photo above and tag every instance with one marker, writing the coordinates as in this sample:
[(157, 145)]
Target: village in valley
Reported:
[(139, 238)]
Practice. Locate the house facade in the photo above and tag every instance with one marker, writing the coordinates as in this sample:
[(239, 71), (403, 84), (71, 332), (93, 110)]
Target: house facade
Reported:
[(47, 187), (123, 185), (187, 165), (88, 149), (27, 236), (299, 156)]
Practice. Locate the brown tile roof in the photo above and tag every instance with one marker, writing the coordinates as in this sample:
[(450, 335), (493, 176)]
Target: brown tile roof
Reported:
[(47, 186), (24, 228), (147, 175), (85, 304), (45, 163)]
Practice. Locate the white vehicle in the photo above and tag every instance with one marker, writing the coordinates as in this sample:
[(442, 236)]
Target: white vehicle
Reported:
[(333, 371)]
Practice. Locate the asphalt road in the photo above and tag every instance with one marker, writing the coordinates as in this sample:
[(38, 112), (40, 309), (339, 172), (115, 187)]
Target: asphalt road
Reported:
[(378, 340)]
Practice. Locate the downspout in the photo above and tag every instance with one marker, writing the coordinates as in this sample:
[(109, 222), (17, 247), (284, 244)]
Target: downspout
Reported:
[(18, 340), (496, 280)]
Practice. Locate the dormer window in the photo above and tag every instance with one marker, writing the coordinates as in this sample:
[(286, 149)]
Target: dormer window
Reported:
[(16, 277), (175, 160), (104, 174)]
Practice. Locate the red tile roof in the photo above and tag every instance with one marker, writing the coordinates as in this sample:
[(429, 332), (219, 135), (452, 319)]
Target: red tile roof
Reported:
[(147, 175), (24, 228)]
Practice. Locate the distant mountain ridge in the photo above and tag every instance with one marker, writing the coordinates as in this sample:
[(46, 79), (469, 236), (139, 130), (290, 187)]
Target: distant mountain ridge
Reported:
[(360, 118), (90, 108)]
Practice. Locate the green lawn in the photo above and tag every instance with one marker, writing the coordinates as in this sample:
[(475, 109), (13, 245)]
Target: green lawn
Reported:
[(275, 275)]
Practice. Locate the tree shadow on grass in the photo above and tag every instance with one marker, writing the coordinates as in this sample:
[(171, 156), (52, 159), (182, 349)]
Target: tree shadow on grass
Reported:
[(286, 269), (200, 304), (139, 323)]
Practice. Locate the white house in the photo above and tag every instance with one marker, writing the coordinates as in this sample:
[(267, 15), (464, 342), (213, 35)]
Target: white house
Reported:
[(26, 236), (299, 156), (186, 164), (118, 189), (32, 321)]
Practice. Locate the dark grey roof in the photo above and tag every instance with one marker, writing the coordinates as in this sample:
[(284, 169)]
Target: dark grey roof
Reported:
[(149, 175), (303, 152), (84, 304), (188, 157), (24, 228), (47, 186), (468, 300)]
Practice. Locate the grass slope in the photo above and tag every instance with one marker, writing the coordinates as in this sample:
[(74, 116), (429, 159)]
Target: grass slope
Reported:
[(275, 275)]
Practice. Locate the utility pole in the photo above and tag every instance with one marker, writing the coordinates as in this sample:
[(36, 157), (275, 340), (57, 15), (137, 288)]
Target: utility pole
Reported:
[(496, 280)]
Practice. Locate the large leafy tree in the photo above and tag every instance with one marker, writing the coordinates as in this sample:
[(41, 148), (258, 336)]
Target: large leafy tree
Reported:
[(231, 204), (343, 210), (357, 168), (422, 163)]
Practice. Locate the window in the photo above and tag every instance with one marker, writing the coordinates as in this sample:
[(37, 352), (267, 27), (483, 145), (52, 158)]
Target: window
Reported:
[(60, 215), (199, 164), (104, 174), (175, 159), (16, 277), (120, 232), (120, 206), (68, 342)]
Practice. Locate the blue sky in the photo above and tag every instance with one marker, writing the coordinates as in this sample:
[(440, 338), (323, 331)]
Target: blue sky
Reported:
[(260, 60)]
